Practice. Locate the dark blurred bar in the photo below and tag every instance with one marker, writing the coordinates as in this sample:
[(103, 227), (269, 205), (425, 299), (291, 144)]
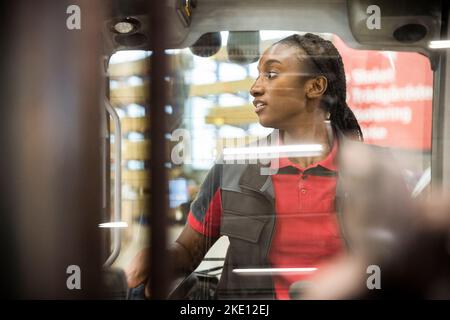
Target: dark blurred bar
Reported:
[(50, 141), (440, 80), (159, 185)]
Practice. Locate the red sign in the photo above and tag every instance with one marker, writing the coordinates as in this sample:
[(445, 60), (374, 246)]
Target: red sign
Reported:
[(391, 95)]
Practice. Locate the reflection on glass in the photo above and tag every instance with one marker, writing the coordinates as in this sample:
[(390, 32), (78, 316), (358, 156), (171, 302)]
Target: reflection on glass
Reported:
[(210, 99)]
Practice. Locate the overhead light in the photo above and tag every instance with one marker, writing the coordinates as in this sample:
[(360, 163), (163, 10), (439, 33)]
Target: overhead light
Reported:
[(439, 44), (126, 26), (123, 27), (120, 224)]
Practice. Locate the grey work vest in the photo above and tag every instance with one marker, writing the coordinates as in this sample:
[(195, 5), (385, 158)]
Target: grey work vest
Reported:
[(248, 219)]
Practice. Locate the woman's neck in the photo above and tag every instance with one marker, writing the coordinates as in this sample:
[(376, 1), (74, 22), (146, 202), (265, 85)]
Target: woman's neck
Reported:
[(314, 133)]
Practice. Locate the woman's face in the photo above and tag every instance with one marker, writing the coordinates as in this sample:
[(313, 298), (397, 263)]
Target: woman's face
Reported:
[(279, 91)]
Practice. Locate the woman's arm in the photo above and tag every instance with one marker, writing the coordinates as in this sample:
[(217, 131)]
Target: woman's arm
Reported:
[(184, 256)]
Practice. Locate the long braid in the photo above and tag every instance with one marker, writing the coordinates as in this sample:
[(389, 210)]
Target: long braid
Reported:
[(328, 62)]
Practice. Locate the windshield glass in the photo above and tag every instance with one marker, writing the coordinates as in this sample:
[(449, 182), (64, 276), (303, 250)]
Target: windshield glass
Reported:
[(212, 108)]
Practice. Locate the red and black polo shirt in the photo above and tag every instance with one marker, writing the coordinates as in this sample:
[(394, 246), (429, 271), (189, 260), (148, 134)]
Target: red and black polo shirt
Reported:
[(306, 230)]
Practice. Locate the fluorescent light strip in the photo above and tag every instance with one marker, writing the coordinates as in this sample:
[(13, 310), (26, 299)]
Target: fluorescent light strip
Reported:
[(274, 149), (120, 224), (439, 44), (271, 156), (259, 271), (272, 152)]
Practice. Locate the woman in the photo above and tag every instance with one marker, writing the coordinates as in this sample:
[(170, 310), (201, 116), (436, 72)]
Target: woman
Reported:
[(285, 221)]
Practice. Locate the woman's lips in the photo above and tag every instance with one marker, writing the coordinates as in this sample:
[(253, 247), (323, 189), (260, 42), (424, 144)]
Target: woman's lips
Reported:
[(259, 107)]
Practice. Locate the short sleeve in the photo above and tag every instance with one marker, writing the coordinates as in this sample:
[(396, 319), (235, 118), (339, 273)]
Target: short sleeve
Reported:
[(206, 209)]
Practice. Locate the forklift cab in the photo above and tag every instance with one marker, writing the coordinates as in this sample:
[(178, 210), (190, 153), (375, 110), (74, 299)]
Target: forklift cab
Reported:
[(379, 43), (165, 84)]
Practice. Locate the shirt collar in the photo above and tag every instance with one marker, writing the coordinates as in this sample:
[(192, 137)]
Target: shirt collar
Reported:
[(329, 162)]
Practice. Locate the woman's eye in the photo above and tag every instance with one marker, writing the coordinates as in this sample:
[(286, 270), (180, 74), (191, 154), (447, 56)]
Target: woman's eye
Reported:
[(271, 74)]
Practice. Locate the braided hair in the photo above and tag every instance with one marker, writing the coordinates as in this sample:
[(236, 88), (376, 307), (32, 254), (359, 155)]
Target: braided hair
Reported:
[(327, 61)]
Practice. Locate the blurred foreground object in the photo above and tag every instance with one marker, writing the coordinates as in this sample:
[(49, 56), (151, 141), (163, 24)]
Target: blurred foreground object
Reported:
[(407, 239), (51, 201)]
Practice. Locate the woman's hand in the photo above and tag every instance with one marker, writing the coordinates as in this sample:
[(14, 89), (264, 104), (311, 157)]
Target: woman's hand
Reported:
[(138, 271), (184, 256)]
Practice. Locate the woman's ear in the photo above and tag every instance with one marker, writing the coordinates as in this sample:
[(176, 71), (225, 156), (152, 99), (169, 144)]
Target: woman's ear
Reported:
[(316, 87)]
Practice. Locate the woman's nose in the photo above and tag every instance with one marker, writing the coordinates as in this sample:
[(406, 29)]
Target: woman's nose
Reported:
[(256, 89)]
